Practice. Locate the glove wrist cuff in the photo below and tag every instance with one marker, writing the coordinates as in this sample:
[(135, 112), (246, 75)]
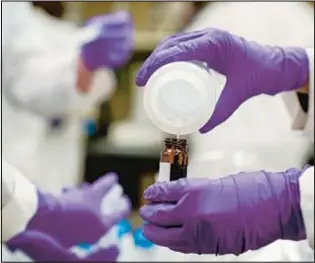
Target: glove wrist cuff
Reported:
[(297, 63), (292, 220)]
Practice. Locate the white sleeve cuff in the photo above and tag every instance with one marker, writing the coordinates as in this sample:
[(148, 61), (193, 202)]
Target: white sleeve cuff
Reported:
[(307, 203), (22, 207), (309, 126)]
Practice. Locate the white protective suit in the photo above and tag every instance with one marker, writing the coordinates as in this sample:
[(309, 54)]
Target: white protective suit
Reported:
[(40, 58), (259, 135)]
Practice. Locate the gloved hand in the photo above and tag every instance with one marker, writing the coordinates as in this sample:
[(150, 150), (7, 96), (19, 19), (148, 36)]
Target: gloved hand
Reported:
[(251, 69), (114, 43), (75, 216), (229, 215), (43, 248)]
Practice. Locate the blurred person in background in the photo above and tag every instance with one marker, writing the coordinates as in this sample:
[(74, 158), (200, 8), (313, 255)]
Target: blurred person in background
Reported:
[(52, 74), (53, 69), (261, 122)]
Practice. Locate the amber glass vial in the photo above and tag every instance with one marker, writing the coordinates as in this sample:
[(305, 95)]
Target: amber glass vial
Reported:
[(173, 160)]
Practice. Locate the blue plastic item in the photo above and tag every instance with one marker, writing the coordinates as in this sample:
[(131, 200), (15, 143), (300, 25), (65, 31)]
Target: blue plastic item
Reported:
[(123, 228), (140, 240), (85, 246), (90, 127)]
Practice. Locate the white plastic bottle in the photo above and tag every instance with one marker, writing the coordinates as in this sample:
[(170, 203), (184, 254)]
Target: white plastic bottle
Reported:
[(180, 97)]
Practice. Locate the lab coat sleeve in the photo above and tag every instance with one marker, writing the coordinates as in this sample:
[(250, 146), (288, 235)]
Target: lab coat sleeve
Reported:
[(19, 202)]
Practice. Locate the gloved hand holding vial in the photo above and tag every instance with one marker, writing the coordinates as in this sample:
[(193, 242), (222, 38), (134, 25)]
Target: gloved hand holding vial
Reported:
[(230, 215), (240, 212)]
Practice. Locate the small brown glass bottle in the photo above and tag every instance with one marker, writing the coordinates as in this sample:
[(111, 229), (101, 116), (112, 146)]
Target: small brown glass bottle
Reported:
[(173, 160)]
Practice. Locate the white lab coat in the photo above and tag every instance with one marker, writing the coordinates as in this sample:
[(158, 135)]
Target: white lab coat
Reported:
[(39, 59), (259, 135), (40, 56)]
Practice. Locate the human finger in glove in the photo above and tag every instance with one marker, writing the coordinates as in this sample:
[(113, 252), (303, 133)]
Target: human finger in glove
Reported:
[(250, 68), (41, 247), (107, 42), (112, 42), (230, 215)]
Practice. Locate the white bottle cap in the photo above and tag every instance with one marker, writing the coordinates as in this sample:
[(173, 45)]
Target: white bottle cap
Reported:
[(179, 98)]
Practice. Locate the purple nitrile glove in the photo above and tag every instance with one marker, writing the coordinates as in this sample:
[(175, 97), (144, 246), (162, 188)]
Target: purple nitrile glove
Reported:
[(113, 45), (229, 215), (75, 216), (81, 186), (251, 69), (43, 248)]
